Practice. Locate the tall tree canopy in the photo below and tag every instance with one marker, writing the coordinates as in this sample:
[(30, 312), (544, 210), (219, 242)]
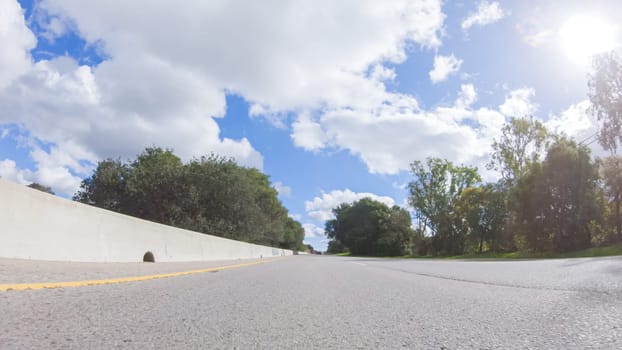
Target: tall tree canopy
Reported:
[(483, 211), (521, 143), (611, 172), (369, 227), (605, 93), (434, 194), (558, 199), (212, 195)]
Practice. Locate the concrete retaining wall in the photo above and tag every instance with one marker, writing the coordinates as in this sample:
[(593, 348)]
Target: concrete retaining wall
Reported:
[(37, 225)]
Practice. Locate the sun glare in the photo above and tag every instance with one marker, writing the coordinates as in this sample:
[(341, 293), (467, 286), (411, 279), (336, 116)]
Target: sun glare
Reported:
[(583, 37)]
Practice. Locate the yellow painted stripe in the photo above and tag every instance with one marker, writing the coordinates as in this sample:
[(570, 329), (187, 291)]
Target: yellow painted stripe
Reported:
[(44, 285)]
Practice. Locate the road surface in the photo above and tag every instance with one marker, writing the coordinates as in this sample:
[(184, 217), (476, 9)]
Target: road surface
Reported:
[(320, 302)]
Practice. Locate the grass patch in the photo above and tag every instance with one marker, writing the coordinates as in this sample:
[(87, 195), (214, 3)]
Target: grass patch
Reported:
[(371, 256), (611, 250)]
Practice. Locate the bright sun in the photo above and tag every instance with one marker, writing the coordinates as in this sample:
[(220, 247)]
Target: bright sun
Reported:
[(583, 37)]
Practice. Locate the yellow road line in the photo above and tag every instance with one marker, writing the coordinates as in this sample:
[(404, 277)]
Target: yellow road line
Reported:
[(44, 285)]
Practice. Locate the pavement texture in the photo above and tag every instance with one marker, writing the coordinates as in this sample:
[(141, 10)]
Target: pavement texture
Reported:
[(322, 302), (34, 271)]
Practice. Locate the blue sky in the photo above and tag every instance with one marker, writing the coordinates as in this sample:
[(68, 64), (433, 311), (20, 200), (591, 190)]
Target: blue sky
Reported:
[(333, 100)]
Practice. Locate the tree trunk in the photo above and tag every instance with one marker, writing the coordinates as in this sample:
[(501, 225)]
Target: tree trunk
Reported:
[(618, 221), (481, 243)]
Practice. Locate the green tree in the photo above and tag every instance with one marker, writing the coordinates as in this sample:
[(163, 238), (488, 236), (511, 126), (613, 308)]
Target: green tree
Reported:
[(335, 247), (521, 143), (106, 188), (294, 235), (434, 194), (558, 200), (235, 202), (483, 210), (42, 188), (605, 94), (152, 186), (421, 242), (369, 227), (612, 178), (212, 195)]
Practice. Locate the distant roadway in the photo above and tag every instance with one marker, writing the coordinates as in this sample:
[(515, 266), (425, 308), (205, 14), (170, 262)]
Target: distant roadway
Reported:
[(319, 302)]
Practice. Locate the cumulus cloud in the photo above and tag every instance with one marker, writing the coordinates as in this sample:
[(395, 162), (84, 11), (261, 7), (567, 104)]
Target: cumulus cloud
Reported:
[(578, 123), (312, 230), (307, 133), (518, 103), (16, 41), (283, 190), (381, 73), (486, 13), (574, 121), (276, 62), (58, 178), (10, 171), (320, 208), (444, 66), (164, 87), (467, 96), (51, 27), (109, 113), (388, 138)]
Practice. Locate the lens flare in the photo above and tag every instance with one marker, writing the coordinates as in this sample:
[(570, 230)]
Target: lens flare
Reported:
[(582, 37)]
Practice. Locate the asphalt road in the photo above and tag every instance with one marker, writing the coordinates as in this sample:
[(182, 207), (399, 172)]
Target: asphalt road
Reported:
[(323, 302)]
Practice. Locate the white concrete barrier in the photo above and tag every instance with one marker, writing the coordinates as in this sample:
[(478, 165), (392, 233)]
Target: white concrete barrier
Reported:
[(37, 225)]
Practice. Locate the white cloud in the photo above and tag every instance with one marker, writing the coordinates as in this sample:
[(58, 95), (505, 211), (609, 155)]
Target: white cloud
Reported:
[(444, 66), (163, 87), (578, 123), (276, 62), (307, 133), (539, 38), (518, 103), (16, 41), (4, 133), (388, 138), (51, 27), (486, 13), (61, 102), (381, 73), (574, 121), (320, 208), (312, 230), (9, 171), (467, 96), (283, 190), (58, 178), (61, 157)]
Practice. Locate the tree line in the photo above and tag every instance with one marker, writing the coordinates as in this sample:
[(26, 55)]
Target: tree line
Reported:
[(552, 195), (212, 195)]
